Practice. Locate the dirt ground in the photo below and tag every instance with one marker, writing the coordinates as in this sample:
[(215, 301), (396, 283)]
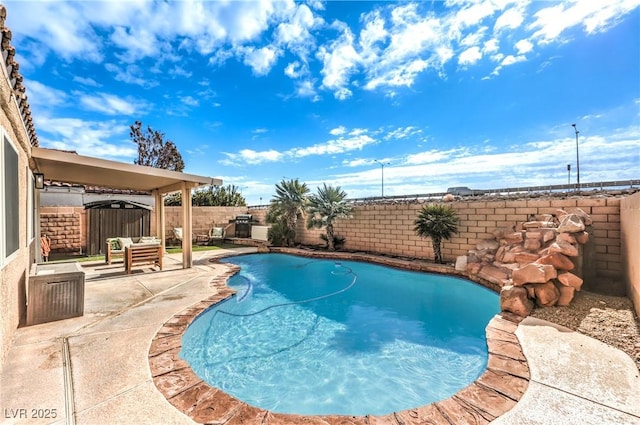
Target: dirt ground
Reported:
[(611, 320)]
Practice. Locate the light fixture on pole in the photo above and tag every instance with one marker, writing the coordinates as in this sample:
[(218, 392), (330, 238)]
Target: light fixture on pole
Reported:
[(568, 173), (382, 164), (577, 157)]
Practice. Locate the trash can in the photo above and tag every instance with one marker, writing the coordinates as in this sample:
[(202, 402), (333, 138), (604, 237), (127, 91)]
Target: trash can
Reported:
[(56, 292)]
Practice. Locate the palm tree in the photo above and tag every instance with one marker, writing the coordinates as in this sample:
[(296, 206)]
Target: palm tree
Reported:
[(437, 222), (325, 207), (287, 205)]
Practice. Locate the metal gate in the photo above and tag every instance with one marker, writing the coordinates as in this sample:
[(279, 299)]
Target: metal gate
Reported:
[(113, 219)]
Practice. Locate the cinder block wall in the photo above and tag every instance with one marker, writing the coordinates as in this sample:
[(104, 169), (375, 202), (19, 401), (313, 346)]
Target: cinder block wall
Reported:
[(387, 228), (203, 218), (65, 226), (630, 245)]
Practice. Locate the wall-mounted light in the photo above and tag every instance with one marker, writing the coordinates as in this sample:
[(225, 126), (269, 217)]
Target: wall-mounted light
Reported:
[(38, 181)]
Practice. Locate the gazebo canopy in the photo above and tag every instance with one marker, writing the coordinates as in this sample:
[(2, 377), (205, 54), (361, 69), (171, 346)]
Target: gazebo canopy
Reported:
[(72, 168)]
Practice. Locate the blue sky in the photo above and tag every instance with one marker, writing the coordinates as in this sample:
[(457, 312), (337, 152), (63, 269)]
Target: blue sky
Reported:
[(444, 93)]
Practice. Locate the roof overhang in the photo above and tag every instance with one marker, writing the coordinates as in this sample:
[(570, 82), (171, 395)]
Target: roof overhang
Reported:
[(70, 167)]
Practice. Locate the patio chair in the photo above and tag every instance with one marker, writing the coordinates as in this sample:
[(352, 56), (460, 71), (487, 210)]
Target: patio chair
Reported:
[(177, 233), (217, 234)]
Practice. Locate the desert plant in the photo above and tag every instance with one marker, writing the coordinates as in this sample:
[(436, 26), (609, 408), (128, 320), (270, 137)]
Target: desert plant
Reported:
[(289, 203), (325, 207), (338, 241), (279, 234), (437, 222)]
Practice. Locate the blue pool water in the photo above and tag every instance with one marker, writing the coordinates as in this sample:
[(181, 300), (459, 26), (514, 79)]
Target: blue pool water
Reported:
[(313, 336)]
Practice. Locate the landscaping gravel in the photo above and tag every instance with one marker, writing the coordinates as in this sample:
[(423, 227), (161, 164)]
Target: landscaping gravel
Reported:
[(611, 320)]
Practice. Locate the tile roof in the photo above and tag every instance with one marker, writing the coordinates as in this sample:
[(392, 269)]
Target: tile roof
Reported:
[(15, 79)]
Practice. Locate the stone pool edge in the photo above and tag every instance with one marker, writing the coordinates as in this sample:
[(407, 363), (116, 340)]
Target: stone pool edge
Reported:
[(494, 393)]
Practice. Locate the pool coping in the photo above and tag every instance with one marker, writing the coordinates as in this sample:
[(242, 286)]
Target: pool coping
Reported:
[(495, 392)]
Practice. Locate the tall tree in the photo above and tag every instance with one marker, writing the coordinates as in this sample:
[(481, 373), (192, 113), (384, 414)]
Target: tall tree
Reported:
[(325, 207), (289, 203), (154, 150), (211, 196), (437, 222)]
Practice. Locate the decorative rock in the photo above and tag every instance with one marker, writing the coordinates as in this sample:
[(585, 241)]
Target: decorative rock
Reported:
[(448, 197), (533, 234), (513, 238), (564, 248), (548, 235), (473, 268), (526, 257), (570, 279), (493, 275), (531, 290), (500, 253), (515, 300), (586, 218), (508, 257), (532, 244), (571, 224), (532, 225), (566, 295), (546, 294), (488, 245), (561, 214), (557, 260), (581, 237), (533, 273), (461, 261), (566, 237)]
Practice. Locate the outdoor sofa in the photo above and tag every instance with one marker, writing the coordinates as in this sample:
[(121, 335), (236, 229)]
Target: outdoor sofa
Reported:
[(115, 247)]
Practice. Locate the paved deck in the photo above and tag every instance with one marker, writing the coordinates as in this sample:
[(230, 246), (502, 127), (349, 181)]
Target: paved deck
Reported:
[(95, 369)]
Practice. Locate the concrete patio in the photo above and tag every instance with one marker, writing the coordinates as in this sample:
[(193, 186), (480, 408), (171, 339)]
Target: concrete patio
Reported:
[(95, 369)]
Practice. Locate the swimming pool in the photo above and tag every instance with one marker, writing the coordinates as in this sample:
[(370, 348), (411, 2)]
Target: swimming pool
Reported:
[(383, 340)]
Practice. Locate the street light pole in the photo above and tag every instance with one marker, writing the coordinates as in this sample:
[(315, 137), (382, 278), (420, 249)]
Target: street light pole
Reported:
[(382, 169), (577, 156)]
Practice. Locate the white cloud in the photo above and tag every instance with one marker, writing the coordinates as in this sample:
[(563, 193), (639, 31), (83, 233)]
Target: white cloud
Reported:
[(294, 70), (470, 56), (510, 60), (189, 101), (402, 133), (523, 47), (69, 35), (510, 19), (110, 104), (86, 81), (41, 95), (86, 137), (307, 89), (491, 46), (356, 162), (335, 146), (131, 74), (261, 60), (338, 131), (339, 59), (252, 157), (428, 157)]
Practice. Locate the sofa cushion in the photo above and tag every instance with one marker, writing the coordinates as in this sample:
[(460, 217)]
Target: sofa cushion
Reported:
[(114, 244), (148, 240), (125, 242)]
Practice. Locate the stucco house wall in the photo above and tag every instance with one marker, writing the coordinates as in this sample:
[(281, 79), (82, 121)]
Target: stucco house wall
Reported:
[(17, 126)]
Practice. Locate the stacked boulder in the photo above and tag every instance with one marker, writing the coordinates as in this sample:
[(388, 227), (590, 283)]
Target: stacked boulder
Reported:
[(533, 263)]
